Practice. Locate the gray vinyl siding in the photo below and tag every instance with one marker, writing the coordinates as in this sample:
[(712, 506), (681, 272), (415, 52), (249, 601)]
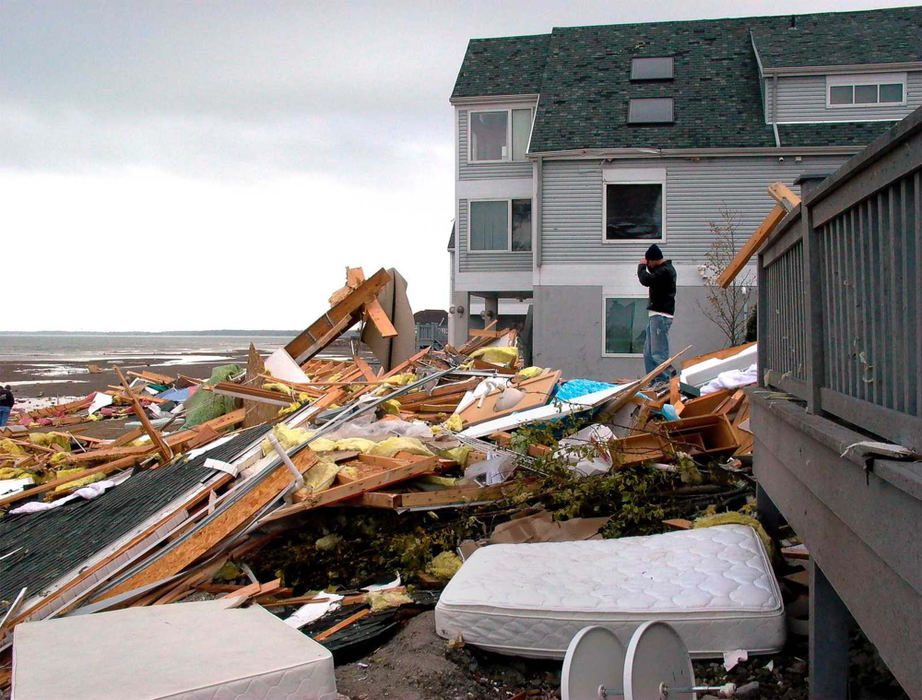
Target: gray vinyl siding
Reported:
[(484, 171), (486, 261), (695, 193), (803, 99)]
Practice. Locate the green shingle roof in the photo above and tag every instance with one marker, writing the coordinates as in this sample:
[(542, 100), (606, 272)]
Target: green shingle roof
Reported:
[(840, 38), (508, 66), (583, 77)]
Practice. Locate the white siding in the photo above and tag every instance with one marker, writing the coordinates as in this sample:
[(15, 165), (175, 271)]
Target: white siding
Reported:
[(695, 193), (803, 99), (476, 171), (486, 261)]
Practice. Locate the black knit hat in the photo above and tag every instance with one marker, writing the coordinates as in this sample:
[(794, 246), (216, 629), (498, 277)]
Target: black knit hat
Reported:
[(654, 253)]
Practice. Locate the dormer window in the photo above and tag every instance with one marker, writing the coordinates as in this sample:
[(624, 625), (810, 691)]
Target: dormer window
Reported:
[(659, 68), (656, 110), (868, 90), (499, 135)]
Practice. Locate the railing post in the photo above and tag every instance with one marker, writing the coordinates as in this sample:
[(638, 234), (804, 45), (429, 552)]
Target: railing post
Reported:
[(813, 304), (761, 321)]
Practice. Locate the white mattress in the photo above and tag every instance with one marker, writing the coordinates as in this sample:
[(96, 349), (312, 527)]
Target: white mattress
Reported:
[(184, 650), (714, 585)]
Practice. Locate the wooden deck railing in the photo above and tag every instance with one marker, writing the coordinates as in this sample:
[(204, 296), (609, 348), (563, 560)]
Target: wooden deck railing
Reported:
[(840, 292)]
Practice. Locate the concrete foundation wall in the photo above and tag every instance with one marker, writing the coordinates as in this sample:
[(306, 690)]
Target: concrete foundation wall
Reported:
[(568, 327)]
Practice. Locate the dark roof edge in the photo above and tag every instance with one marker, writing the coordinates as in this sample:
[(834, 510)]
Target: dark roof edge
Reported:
[(624, 153), (844, 68), (491, 99)]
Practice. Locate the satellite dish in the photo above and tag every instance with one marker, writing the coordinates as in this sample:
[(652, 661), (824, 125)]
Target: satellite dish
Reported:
[(656, 655), (594, 658)]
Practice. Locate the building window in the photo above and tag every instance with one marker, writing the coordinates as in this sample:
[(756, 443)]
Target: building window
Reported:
[(657, 110), (625, 325), (866, 90), (499, 135), (660, 68), (503, 224), (633, 211)]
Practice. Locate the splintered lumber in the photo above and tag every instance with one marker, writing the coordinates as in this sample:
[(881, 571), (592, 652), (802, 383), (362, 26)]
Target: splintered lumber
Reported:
[(321, 332), (215, 529), (364, 368), (377, 480), (717, 354), (342, 625), (625, 396), (379, 318), (461, 495), (704, 405), (153, 377), (165, 451), (782, 194), (252, 393), (751, 246)]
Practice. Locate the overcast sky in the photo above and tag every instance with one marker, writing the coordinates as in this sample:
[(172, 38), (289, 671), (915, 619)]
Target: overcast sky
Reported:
[(195, 165)]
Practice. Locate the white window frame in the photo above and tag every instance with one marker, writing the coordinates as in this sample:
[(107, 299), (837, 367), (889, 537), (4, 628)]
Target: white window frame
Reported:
[(508, 111), (638, 176), (865, 79), (606, 297), (508, 248)]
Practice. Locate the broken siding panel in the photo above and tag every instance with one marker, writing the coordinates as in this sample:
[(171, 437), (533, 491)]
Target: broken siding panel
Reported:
[(695, 194), (486, 261), (803, 99), (484, 171)]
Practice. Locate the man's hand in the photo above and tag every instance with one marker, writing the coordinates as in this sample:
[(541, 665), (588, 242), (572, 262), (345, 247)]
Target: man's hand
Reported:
[(643, 261)]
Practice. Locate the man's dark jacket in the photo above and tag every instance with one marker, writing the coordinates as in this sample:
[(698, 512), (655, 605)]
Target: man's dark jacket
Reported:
[(661, 281), (6, 398)]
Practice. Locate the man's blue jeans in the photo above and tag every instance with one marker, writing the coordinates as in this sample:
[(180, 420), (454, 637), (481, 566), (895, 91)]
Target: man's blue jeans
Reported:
[(4, 415), (656, 346)]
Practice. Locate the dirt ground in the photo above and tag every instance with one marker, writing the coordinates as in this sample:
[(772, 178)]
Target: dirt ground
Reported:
[(414, 666)]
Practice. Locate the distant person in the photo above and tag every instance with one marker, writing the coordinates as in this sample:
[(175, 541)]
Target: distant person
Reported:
[(659, 276), (6, 404)]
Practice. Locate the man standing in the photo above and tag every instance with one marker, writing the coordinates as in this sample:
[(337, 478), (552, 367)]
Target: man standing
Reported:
[(6, 404), (659, 276)]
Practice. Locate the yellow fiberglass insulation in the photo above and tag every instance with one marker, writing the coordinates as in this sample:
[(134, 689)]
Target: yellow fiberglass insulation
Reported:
[(276, 386), (380, 600), (362, 445), (453, 424), (444, 565), (321, 475), (529, 372), (9, 447), (391, 446), (497, 356), (287, 437), (49, 439), (459, 454), (734, 518), (77, 483), (402, 379)]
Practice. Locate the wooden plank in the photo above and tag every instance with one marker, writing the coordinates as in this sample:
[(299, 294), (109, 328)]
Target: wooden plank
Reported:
[(211, 533), (341, 493), (782, 194), (163, 448), (343, 624), (375, 499), (364, 368), (717, 355), (704, 405), (679, 523), (751, 246), (149, 376), (378, 317), (462, 495), (306, 344), (252, 393)]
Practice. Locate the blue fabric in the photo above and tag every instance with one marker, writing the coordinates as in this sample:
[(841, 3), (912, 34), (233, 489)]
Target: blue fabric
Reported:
[(177, 395), (4, 415), (579, 387), (656, 346)]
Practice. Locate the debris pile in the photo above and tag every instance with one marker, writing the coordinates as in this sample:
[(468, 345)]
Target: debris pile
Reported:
[(342, 493)]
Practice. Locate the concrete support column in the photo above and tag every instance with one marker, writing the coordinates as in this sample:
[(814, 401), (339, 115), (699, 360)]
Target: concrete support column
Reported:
[(830, 623), (459, 315)]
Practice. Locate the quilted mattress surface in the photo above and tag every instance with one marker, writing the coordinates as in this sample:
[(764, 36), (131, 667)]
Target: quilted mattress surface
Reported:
[(714, 585), (187, 651)]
